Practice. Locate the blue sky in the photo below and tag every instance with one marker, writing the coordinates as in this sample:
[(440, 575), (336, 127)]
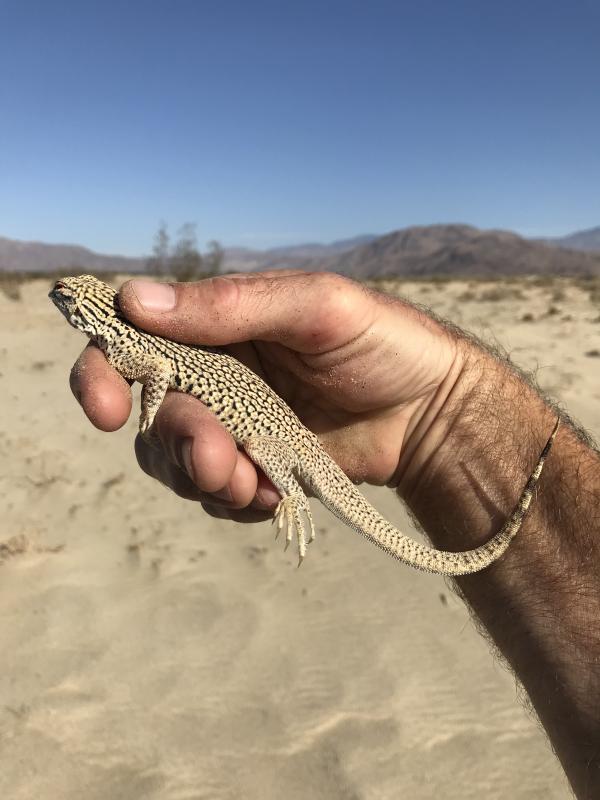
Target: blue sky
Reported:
[(271, 123)]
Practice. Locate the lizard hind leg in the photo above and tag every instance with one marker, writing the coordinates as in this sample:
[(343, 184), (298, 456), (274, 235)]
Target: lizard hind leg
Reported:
[(278, 461)]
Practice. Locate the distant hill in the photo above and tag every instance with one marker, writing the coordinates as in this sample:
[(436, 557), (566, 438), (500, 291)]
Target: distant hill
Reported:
[(243, 259), (446, 250), (17, 256), (320, 250), (587, 240), (459, 250)]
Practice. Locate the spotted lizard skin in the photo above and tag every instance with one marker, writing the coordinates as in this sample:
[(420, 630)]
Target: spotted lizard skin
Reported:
[(264, 426)]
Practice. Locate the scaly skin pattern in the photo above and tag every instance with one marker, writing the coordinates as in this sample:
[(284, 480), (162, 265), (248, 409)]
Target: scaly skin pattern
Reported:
[(264, 426)]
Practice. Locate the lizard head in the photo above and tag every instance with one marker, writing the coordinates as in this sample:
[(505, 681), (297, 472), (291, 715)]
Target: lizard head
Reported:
[(87, 303)]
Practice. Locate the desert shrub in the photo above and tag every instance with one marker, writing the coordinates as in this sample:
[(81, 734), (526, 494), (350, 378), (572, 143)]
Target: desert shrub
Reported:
[(10, 285), (501, 292), (543, 281), (591, 285)]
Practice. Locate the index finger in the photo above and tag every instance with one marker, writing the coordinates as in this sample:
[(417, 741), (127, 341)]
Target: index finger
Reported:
[(102, 393)]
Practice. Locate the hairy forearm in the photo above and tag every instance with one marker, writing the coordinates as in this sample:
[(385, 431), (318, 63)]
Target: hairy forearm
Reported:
[(541, 602)]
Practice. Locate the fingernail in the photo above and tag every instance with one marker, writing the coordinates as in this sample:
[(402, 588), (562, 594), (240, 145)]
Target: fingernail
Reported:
[(154, 296), (185, 451)]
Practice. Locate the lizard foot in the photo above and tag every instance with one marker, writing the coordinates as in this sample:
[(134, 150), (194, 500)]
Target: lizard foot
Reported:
[(289, 512)]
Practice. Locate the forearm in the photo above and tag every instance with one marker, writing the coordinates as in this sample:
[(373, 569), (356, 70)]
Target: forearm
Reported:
[(541, 602)]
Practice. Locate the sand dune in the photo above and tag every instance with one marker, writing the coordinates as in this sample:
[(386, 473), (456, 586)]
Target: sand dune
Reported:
[(151, 652)]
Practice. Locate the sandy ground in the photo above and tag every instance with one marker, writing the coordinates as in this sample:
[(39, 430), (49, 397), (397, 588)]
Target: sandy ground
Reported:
[(151, 652)]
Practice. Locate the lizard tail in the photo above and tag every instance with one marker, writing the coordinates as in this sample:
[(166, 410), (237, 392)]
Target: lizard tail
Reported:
[(360, 515)]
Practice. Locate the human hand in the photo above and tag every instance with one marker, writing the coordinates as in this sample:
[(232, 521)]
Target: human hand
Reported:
[(367, 373)]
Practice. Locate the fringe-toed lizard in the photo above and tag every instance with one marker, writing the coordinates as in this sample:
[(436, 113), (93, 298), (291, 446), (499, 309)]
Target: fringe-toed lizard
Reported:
[(264, 426)]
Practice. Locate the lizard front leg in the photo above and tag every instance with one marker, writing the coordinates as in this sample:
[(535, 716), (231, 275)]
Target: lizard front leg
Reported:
[(278, 460), (154, 373)]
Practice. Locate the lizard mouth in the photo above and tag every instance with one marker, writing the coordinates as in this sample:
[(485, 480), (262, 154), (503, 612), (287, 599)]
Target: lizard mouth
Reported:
[(55, 296), (60, 296), (59, 292)]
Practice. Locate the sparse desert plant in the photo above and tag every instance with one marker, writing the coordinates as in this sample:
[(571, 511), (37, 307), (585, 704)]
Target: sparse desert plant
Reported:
[(10, 285), (158, 263), (186, 261), (214, 259), (183, 260), (595, 293), (591, 285), (11, 290), (500, 292), (543, 281), (386, 286)]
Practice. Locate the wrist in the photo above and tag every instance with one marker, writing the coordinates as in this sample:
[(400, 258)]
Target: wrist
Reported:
[(467, 464), (429, 430)]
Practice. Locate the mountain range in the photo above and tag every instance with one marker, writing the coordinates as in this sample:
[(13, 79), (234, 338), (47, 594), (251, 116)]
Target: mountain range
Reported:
[(460, 250), (416, 251), (18, 256), (587, 240)]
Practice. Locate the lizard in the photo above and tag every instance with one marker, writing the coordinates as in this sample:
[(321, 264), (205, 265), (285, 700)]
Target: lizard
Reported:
[(267, 429)]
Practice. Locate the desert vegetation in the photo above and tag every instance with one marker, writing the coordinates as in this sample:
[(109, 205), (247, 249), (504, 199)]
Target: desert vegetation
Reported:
[(182, 259)]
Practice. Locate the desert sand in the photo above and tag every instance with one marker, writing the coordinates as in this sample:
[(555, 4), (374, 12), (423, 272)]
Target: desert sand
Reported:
[(149, 651)]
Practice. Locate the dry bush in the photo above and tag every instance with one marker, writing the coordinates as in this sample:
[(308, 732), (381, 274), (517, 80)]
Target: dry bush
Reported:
[(11, 290), (10, 285), (591, 285), (543, 281), (501, 292)]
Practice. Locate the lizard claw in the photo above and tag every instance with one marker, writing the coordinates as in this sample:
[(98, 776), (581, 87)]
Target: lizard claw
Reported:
[(289, 511)]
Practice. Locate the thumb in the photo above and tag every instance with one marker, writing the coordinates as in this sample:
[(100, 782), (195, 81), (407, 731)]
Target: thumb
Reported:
[(308, 312)]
